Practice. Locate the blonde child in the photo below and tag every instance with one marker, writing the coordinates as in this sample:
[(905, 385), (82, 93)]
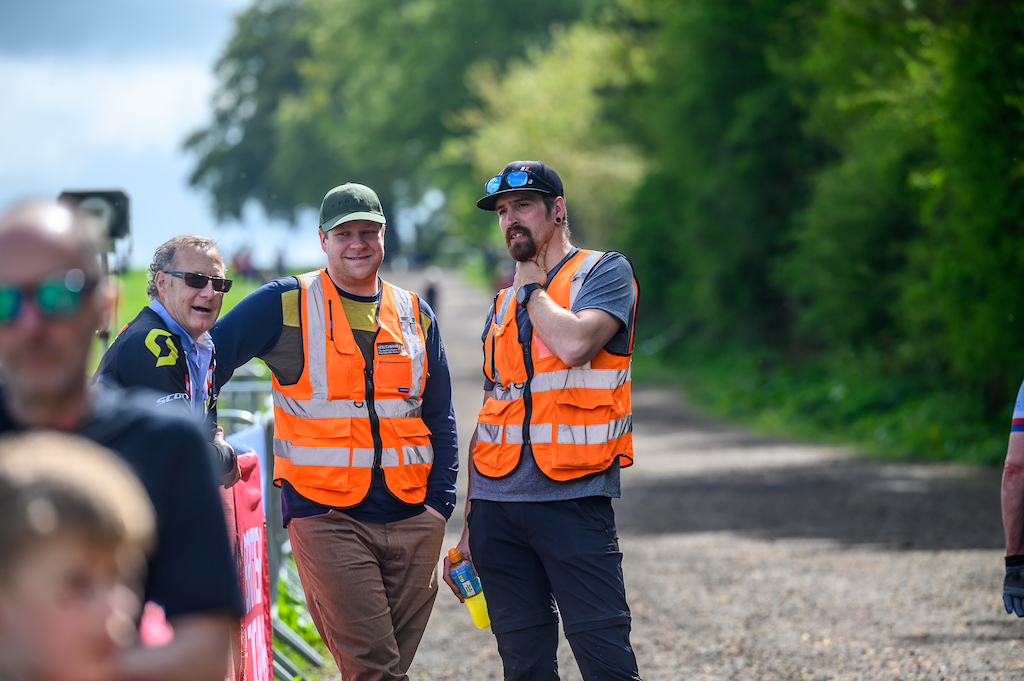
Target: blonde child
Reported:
[(75, 526)]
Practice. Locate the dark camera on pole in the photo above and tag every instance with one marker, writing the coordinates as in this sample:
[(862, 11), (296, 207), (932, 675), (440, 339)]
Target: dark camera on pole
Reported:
[(108, 207)]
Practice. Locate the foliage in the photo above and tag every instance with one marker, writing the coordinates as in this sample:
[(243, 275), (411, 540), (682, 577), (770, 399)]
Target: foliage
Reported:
[(361, 92), (914, 229), (961, 301), (558, 118), (235, 153), (728, 157), (875, 84), (831, 187), (849, 399), (292, 612)]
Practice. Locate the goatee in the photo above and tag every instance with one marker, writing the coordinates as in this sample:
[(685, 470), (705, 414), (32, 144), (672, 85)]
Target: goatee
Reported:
[(523, 250)]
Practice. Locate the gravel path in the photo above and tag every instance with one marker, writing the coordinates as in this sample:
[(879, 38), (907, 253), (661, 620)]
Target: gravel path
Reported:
[(754, 558)]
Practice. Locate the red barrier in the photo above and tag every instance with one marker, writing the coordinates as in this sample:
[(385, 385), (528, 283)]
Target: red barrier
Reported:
[(251, 538), (251, 655)]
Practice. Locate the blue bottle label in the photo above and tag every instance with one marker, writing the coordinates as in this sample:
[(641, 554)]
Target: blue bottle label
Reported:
[(465, 576)]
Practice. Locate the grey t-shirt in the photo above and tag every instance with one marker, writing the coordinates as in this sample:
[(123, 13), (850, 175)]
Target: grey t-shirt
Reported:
[(608, 287)]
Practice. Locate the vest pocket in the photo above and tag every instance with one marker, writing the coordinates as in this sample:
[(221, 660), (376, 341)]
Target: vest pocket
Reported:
[(581, 431), (394, 373), (497, 451), (415, 455), (322, 454), (411, 432), (322, 429)]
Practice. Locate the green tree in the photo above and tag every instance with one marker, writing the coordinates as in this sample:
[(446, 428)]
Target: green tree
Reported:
[(962, 301), (872, 102), (912, 239), (376, 80), (236, 151), (559, 118), (728, 161)]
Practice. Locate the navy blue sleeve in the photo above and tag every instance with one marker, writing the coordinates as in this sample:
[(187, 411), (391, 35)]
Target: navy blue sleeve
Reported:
[(251, 328), (439, 417)]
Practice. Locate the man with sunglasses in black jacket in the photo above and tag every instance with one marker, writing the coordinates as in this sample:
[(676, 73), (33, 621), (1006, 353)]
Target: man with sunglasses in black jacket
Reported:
[(167, 347)]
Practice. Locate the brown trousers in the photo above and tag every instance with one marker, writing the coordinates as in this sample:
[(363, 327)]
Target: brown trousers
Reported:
[(369, 587)]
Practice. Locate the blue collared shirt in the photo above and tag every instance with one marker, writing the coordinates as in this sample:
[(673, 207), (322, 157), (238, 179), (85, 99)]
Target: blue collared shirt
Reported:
[(198, 355)]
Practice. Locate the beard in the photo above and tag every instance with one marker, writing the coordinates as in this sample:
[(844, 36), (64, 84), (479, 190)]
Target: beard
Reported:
[(523, 250)]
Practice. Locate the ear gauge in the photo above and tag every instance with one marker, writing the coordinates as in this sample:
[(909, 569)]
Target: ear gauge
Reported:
[(558, 220)]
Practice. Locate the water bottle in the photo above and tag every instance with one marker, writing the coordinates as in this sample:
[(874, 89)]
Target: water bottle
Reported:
[(464, 576)]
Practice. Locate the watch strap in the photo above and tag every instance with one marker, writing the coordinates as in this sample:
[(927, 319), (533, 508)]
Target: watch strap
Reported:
[(525, 291)]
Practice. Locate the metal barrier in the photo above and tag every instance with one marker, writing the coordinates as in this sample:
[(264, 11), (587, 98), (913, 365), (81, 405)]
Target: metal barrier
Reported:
[(253, 428)]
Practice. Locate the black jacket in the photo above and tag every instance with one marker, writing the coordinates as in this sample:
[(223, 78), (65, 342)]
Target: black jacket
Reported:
[(147, 354)]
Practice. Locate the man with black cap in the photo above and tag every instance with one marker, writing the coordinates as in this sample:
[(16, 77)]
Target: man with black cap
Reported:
[(365, 447), (553, 432)]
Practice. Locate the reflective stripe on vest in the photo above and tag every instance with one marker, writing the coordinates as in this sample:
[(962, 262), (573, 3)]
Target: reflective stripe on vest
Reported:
[(313, 409), (325, 439), (413, 343), (500, 314), (540, 433), (589, 260), (359, 457), (580, 418), (316, 335)]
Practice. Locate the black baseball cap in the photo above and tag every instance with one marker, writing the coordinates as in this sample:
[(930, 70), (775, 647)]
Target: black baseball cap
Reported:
[(521, 176)]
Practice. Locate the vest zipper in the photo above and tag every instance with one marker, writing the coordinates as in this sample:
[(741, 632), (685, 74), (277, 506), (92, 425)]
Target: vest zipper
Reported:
[(527, 394), (330, 318), (494, 325), (378, 444)]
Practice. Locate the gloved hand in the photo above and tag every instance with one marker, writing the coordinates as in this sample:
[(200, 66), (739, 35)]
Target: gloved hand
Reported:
[(1013, 590)]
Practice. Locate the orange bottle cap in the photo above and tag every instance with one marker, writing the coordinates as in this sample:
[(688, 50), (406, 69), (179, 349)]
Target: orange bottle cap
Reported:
[(454, 555)]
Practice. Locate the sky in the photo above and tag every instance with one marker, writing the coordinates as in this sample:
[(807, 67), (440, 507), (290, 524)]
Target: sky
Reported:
[(99, 94)]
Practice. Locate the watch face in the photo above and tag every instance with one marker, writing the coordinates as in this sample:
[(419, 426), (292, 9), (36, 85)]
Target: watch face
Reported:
[(524, 292)]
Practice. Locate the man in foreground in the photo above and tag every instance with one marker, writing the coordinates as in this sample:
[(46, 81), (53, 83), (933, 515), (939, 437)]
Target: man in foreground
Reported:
[(365, 445), (554, 428), (52, 299)]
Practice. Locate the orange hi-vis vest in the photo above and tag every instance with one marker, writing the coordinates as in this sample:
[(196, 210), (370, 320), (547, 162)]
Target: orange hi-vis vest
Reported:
[(330, 430), (577, 420)]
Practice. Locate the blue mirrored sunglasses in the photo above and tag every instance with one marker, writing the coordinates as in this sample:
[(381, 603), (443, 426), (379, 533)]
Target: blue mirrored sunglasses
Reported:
[(60, 296), (514, 180)]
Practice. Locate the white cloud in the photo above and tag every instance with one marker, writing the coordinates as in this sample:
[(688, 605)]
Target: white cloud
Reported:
[(100, 95), (57, 113)]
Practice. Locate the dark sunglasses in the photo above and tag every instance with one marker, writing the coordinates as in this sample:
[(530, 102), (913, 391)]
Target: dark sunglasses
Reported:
[(220, 285), (514, 180), (59, 296)]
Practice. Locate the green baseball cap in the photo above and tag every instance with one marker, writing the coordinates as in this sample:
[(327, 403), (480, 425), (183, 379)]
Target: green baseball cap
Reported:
[(349, 202)]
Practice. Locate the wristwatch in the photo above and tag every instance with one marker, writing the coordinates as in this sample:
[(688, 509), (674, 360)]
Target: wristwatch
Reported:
[(525, 291)]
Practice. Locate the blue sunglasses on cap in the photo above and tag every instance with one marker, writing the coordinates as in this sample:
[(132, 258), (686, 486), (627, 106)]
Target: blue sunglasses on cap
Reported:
[(515, 180)]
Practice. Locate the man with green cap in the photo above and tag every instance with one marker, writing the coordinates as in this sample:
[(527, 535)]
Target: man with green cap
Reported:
[(365, 449)]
